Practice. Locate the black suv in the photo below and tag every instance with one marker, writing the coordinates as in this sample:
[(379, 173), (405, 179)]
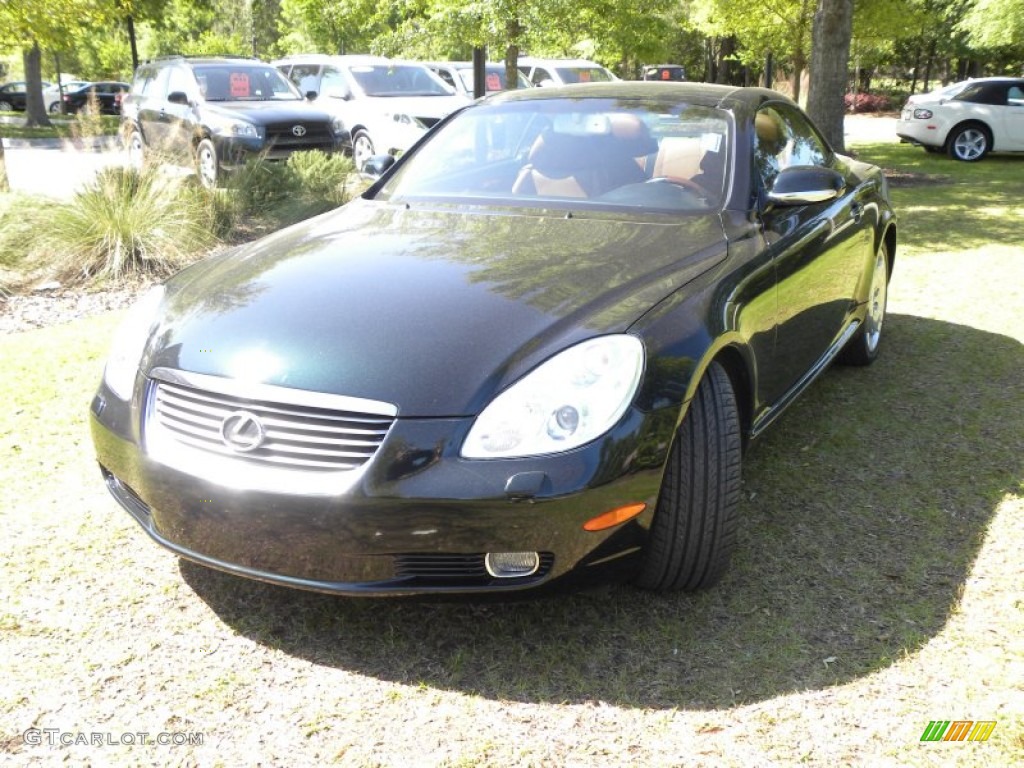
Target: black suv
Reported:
[(217, 112)]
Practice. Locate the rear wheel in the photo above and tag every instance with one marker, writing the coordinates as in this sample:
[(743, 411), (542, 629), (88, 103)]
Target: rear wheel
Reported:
[(55, 108), (207, 164), (969, 143), (6, 106), (862, 349), (694, 528)]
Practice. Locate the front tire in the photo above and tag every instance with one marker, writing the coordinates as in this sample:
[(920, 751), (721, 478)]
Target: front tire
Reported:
[(969, 143), (136, 151), (694, 529), (862, 349), (362, 149), (207, 164), (6, 106), (54, 108)]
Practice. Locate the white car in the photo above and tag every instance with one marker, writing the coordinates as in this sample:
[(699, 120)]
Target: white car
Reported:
[(385, 104), (459, 76), (546, 72), (986, 115)]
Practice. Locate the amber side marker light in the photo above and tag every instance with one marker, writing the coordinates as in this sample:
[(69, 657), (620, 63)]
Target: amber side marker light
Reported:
[(613, 517)]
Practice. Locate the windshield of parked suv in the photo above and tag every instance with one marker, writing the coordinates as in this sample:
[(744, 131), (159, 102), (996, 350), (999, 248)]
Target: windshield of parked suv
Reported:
[(236, 82), (583, 75), (494, 79), (398, 80), (651, 155)]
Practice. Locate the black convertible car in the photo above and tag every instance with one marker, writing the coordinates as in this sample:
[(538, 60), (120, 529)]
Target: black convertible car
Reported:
[(533, 350)]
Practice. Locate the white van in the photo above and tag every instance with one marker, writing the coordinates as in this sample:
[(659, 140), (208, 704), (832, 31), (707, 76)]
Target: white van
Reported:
[(386, 104), (545, 72)]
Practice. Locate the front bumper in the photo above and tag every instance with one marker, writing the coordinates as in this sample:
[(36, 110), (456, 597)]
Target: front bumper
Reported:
[(419, 520)]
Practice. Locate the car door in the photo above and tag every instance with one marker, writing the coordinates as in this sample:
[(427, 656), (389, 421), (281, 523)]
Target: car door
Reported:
[(1014, 118), (820, 251), (148, 98)]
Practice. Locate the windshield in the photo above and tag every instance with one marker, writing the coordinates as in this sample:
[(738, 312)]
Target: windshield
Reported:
[(398, 80), (494, 79), (584, 75), (226, 82), (651, 155)]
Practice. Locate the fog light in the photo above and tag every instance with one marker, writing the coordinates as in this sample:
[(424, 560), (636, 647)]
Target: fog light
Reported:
[(511, 565)]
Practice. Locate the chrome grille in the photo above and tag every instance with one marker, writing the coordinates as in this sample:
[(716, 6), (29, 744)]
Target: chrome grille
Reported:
[(298, 431)]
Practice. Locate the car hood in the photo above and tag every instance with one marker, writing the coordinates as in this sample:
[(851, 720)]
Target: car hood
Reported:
[(434, 107), (265, 112), (431, 309)]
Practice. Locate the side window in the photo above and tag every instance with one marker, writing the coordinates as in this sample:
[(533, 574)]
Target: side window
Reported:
[(333, 84), (539, 76), (783, 137), (142, 81), (445, 75), (157, 87), (1015, 96), (306, 77), (179, 80)]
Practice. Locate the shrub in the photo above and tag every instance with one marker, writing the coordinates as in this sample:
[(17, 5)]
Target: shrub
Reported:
[(128, 222), (867, 102)]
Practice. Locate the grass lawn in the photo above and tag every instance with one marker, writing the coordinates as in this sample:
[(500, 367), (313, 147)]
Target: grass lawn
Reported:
[(62, 127), (877, 585)]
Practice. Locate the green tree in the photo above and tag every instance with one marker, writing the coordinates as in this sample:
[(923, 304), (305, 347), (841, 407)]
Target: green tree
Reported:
[(830, 60), (993, 23)]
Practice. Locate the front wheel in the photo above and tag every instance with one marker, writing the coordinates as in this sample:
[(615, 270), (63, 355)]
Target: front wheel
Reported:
[(6, 106), (136, 151), (863, 347), (694, 529), (55, 108), (207, 165), (362, 149), (969, 143)]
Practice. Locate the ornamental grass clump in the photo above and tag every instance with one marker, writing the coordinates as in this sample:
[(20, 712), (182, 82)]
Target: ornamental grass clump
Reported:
[(129, 222)]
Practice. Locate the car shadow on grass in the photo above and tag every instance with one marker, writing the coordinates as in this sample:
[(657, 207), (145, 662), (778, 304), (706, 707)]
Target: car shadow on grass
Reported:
[(863, 510)]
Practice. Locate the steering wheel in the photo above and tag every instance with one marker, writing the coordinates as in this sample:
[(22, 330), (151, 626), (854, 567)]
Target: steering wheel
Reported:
[(688, 184)]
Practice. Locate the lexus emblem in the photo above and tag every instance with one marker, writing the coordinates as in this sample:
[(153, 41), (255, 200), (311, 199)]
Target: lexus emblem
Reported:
[(299, 130), (242, 431)]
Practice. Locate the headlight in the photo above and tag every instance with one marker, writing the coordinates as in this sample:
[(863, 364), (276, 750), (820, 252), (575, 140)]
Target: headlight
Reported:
[(923, 114), (409, 121), (338, 127), (569, 400), (228, 127), (130, 342)]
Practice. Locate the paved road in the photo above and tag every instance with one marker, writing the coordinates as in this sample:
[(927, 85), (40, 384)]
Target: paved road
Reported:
[(54, 168)]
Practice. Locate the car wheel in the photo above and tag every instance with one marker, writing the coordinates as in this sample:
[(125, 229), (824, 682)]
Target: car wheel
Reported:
[(969, 143), (6, 106), (207, 166), (136, 151), (362, 149), (862, 349), (54, 108), (694, 528)]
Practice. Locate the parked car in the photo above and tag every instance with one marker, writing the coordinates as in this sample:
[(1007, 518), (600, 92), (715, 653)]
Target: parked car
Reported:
[(664, 72), (13, 96), (52, 94), (985, 115), (107, 94), (545, 72), (458, 75), (219, 112), (532, 351), (386, 105)]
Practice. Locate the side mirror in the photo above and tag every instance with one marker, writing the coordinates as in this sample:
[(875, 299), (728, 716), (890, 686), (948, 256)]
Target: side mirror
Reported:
[(806, 185), (377, 166), (311, 95), (178, 97)]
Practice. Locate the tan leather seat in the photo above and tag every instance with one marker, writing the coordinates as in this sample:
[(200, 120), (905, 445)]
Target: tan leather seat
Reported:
[(555, 163)]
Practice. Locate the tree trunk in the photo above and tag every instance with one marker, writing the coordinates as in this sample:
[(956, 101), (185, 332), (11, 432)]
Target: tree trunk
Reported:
[(130, 21), (799, 64), (513, 31), (35, 109), (830, 56)]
